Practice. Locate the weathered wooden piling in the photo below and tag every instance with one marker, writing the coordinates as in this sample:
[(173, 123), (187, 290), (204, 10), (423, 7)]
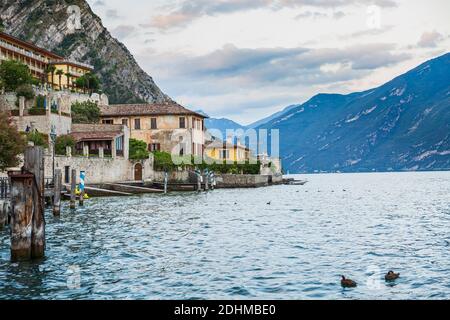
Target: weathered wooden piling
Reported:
[(22, 186), (166, 181), (27, 203), (81, 200), (206, 181), (73, 185), (199, 182), (34, 164), (3, 215), (57, 193)]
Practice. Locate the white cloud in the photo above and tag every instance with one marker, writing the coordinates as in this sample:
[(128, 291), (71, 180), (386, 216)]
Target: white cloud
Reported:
[(430, 39), (275, 59)]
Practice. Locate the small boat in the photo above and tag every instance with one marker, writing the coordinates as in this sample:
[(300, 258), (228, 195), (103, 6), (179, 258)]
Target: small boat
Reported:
[(293, 182)]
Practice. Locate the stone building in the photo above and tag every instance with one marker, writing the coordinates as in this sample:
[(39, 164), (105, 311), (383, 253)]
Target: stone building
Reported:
[(167, 127), (228, 151), (101, 140)]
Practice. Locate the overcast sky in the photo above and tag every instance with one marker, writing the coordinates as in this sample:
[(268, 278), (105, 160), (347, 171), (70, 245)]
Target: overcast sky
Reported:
[(246, 59)]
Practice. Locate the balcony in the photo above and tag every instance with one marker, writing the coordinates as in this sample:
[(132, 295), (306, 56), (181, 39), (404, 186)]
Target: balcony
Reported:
[(22, 52)]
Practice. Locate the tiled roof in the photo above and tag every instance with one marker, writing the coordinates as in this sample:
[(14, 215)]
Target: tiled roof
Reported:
[(159, 109), (93, 136), (84, 132)]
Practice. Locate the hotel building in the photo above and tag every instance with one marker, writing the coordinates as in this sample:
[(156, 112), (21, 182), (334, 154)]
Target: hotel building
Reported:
[(38, 60)]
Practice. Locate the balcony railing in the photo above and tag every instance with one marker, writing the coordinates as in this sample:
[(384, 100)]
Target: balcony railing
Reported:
[(22, 51)]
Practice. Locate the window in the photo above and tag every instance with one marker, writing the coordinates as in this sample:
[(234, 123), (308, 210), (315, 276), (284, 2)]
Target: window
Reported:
[(137, 124), (125, 122), (153, 123), (108, 121), (224, 154), (66, 174), (182, 122), (154, 147)]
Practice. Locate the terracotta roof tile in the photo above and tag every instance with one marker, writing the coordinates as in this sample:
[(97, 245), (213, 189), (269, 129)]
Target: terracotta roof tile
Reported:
[(171, 108)]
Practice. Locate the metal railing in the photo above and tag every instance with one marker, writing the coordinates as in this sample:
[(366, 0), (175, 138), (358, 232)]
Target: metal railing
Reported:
[(5, 188)]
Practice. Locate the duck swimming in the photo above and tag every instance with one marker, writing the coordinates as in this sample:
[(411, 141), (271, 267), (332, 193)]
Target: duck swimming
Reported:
[(347, 283), (391, 276)]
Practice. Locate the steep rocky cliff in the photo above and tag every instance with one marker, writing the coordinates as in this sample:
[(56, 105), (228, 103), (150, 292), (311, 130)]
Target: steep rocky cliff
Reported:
[(44, 22)]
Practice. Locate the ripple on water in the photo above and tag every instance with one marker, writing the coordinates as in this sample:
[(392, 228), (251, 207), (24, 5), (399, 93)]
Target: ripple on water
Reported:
[(197, 246)]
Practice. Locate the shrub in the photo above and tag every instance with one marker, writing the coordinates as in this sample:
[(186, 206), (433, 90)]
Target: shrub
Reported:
[(12, 143), (14, 74), (39, 139), (138, 150), (26, 91), (85, 112), (163, 161), (62, 142)]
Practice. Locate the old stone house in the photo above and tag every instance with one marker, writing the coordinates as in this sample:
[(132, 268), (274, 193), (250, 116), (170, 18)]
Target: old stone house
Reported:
[(167, 127)]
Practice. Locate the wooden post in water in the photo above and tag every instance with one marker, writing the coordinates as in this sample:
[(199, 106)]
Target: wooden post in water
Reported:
[(57, 195), (206, 181), (3, 215), (34, 164), (199, 183), (22, 187), (166, 181), (73, 185), (82, 176)]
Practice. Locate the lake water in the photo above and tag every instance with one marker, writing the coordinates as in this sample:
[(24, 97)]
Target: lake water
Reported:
[(231, 244)]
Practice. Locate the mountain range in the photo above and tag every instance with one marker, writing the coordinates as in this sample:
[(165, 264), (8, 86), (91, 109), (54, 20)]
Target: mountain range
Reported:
[(401, 125)]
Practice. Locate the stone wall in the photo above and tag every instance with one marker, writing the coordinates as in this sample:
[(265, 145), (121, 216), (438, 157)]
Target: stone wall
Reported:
[(44, 123), (241, 181), (99, 170), (174, 177)]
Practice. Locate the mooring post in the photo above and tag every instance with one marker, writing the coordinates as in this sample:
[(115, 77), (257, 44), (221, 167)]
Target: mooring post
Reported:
[(82, 177), (211, 176), (3, 215), (206, 180), (22, 189), (57, 193), (199, 180), (34, 164), (73, 185), (166, 180)]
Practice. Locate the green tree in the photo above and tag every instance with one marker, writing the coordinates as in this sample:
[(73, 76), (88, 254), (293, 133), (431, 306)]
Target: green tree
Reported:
[(51, 69), (25, 90), (138, 150), (69, 76), (12, 143), (85, 112), (81, 83), (39, 139), (14, 74), (62, 142), (89, 82), (60, 73)]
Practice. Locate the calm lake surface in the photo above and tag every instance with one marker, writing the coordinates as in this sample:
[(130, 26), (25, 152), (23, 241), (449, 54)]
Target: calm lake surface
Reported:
[(230, 244)]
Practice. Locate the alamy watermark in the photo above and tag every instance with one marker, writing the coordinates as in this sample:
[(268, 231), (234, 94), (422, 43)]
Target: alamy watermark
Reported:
[(74, 19), (374, 17), (249, 145)]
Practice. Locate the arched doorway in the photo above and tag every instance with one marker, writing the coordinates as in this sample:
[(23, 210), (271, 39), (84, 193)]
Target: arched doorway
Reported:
[(138, 172)]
